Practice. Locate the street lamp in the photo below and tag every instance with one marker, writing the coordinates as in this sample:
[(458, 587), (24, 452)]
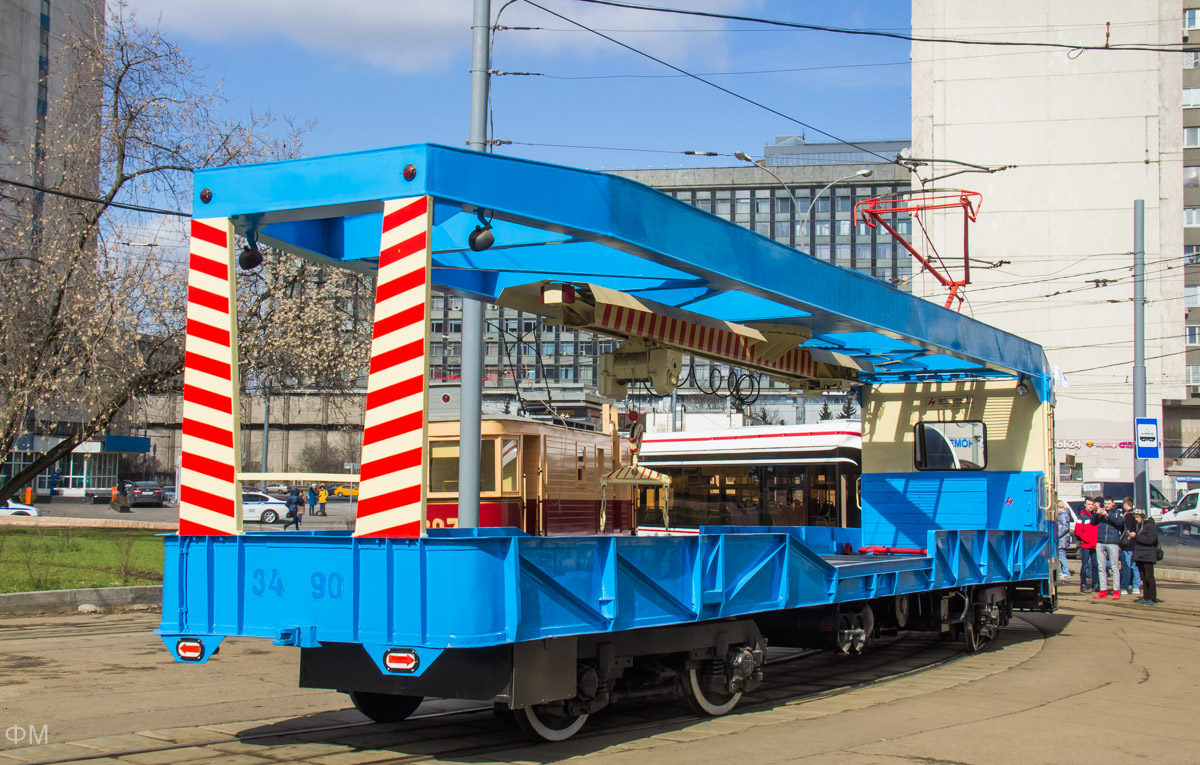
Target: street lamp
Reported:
[(762, 164), (865, 172)]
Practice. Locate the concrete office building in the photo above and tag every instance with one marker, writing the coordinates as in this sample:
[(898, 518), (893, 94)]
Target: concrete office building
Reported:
[(1088, 132)]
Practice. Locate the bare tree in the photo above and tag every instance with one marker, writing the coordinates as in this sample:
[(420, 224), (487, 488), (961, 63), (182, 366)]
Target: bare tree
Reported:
[(90, 321)]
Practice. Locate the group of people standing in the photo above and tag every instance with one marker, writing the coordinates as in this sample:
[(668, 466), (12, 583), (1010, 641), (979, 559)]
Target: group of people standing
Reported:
[(1118, 547), (318, 495)]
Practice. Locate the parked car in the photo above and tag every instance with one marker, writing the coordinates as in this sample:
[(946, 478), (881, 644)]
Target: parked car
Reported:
[(278, 488), (169, 494), (260, 507), (1187, 508), (18, 508), (1180, 542), (345, 490), (145, 493)]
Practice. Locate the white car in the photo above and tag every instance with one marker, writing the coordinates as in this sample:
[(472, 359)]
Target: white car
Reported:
[(262, 508), (278, 488), (16, 508), (1186, 509)]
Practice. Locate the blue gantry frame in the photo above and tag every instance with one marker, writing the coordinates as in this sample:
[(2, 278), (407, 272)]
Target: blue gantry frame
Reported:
[(564, 224)]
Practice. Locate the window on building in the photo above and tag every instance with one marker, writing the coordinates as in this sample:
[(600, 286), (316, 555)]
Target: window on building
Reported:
[(435, 349), (783, 229), (438, 303), (783, 206), (1191, 216), (1191, 295), (453, 349), (842, 252), (762, 208), (1191, 254), (724, 207), (435, 372), (843, 228), (1191, 60), (862, 254), (845, 204), (1070, 472), (1193, 375), (566, 348), (763, 228), (802, 229), (1191, 177), (883, 254), (1191, 137), (566, 373), (510, 326), (1191, 18), (1191, 98), (491, 349), (454, 326), (823, 227), (822, 252), (548, 348), (1193, 335), (454, 303), (604, 346), (437, 327)]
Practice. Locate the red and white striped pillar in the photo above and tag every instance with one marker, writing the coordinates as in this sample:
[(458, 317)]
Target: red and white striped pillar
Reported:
[(209, 503), (391, 499)]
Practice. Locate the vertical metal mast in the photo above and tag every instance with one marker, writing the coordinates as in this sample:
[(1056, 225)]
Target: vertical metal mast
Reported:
[(470, 413), (1141, 480)]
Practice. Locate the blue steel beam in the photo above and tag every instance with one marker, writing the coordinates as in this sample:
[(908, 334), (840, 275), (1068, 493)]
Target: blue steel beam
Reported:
[(622, 215)]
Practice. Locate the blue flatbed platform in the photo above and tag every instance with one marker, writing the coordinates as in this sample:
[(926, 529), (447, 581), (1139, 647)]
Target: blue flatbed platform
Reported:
[(485, 587)]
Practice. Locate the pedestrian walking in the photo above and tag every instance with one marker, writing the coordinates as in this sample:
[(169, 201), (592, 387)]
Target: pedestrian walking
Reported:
[(294, 512), (322, 498), (312, 499), (1145, 554), (1062, 531), (1110, 524), (1130, 578), (1085, 532)]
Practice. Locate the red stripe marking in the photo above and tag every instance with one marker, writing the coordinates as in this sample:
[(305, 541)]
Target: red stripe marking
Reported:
[(410, 211), (208, 332), (210, 234), (641, 322), (395, 392), (629, 319), (390, 464), (691, 336), (410, 530), (208, 299), (203, 397), (409, 423), (408, 247), (404, 283), (604, 317), (409, 495), (210, 468), (405, 318), (192, 496), (193, 529), (749, 437), (389, 359), (214, 268), (206, 432), (198, 363)]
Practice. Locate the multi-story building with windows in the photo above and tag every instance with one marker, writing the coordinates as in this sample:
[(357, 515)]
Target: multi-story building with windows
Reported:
[(1085, 133)]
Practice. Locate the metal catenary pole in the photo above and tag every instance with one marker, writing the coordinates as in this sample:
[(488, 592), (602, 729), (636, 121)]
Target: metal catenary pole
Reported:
[(470, 413), (1141, 479)]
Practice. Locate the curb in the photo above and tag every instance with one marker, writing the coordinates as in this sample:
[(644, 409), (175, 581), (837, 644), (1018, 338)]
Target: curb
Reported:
[(1177, 574), (83, 523), (29, 603)]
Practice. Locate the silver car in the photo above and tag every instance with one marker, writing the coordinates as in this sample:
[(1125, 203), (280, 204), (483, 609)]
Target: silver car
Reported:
[(1180, 542)]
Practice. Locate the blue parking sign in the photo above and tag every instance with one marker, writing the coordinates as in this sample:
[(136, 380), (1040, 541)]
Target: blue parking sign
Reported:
[(1145, 438)]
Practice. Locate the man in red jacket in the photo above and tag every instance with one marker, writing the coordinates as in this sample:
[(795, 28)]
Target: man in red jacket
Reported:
[(1086, 533)]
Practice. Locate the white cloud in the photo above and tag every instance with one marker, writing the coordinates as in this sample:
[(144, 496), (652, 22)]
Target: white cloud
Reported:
[(425, 35)]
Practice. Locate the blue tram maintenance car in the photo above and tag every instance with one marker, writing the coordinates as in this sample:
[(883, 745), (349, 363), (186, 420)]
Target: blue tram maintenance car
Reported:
[(952, 511)]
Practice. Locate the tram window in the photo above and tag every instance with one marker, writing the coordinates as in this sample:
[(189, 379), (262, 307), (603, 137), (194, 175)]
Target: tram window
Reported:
[(508, 464), (950, 446), (443, 466)]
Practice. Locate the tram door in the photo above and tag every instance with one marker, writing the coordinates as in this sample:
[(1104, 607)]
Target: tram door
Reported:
[(532, 461)]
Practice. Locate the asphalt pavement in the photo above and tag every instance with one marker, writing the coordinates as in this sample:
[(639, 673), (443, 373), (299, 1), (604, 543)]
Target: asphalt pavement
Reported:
[(340, 514)]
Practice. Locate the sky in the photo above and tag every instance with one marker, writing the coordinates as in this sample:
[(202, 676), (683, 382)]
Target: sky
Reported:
[(377, 73)]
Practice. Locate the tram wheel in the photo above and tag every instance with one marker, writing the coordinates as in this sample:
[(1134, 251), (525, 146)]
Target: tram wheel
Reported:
[(385, 707), (548, 722), (705, 701)]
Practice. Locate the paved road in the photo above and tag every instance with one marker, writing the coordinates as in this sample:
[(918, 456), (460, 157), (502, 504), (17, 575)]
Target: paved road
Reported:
[(340, 514), (1061, 688)]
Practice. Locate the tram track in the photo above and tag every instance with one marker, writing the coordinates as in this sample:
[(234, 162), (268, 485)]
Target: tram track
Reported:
[(820, 674)]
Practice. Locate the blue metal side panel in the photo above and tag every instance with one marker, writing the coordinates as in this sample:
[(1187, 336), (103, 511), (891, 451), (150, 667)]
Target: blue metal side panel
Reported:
[(899, 508), (475, 589)]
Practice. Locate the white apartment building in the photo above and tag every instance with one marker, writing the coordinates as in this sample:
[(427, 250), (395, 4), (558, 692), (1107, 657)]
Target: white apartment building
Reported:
[(1087, 133)]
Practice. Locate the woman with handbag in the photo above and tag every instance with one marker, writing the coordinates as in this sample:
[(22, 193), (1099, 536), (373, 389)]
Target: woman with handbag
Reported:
[(1145, 554)]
